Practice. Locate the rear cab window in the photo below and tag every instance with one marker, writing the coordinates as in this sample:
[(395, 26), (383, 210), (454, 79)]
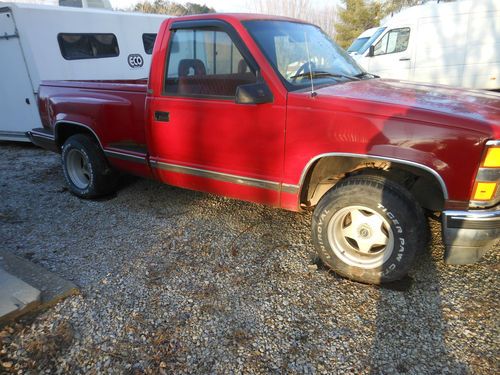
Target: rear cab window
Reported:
[(88, 46)]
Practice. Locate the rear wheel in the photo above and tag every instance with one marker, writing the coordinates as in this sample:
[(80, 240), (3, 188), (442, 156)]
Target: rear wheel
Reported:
[(368, 229), (86, 170)]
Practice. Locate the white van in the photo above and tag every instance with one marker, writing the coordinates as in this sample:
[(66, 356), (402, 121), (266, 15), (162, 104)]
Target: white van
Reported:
[(40, 42), (456, 43)]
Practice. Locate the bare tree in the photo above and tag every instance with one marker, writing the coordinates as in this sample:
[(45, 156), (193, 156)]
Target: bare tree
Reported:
[(325, 18), (172, 8), (301, 9), (289, 8)]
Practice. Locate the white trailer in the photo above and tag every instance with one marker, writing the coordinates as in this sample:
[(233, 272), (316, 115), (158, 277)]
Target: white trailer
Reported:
[(452, 43), (40, 42)]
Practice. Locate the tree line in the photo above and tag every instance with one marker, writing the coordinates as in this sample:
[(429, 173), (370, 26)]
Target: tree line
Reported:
[(172, 8)]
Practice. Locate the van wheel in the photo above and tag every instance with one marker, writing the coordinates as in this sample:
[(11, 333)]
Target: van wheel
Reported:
[(85, 168), (368, 229)]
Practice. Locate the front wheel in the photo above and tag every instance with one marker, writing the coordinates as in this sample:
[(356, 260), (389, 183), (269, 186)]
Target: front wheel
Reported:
[(368, 229)]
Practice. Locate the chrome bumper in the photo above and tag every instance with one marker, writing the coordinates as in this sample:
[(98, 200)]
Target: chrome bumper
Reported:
[(468, 235)]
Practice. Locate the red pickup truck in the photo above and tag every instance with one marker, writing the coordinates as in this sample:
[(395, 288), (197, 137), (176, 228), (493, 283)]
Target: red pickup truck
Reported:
[(270, 110)]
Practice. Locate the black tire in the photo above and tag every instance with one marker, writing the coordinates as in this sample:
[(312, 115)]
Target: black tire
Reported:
[(345, 234), (94, 177)]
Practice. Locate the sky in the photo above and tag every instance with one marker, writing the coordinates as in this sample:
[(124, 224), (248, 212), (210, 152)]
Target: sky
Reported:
[(218, 5)]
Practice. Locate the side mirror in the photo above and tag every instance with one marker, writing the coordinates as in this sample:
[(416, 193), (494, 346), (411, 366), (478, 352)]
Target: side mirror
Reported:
[(371, 51), (254, 93)]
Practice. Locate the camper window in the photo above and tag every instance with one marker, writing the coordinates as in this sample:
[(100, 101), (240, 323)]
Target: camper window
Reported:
[(71, 3), (149, 41), (88, 46), (394, 41)]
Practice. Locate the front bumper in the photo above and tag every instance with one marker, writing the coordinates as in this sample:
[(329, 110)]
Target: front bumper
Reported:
[(468, 235)]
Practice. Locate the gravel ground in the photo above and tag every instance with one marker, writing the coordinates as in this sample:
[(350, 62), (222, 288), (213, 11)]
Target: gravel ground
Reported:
[(175, 281)]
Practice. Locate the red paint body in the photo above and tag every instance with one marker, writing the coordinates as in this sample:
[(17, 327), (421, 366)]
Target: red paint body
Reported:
[(441, 128)]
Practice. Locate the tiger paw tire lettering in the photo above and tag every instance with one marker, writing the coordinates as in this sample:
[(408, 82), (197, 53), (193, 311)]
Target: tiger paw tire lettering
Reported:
[(86, 170), (368, 229)]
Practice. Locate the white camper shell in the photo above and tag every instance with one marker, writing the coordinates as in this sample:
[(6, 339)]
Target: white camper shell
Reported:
[(40, 42), (452, 43)]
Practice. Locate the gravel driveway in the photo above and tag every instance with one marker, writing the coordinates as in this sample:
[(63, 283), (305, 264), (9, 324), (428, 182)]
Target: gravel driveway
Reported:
[(175, 281)]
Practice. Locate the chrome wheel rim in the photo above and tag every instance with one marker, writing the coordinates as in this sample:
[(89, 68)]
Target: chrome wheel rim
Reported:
[(360, 237), (78, 169)]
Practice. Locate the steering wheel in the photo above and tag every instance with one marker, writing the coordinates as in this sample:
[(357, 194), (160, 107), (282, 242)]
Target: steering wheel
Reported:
[(304, 68)]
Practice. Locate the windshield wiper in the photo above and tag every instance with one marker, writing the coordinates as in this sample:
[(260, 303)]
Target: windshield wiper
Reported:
[(319, 74), (364, 74)]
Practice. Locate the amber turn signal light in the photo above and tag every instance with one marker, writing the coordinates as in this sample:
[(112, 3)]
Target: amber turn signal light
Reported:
[(484, 191), (492, 158)]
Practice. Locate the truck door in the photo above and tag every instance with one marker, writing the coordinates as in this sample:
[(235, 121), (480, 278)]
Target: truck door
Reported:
[(18, 109), (391, 55), (199, 137)]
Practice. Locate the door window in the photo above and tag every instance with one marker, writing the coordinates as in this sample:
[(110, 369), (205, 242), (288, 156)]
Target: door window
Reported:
[(393, 41), (205, 62)]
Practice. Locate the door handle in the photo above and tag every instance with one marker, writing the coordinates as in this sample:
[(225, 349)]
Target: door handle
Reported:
[(404, 59), (162, 116)]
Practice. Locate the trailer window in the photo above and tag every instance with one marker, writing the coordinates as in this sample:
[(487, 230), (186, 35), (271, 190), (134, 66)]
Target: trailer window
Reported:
[(149, 42), (88, 46), (71, 3), (393, 42), (205, 62)]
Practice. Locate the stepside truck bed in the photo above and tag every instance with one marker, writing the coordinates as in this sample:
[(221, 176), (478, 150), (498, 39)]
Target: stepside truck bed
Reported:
[(118, 107)]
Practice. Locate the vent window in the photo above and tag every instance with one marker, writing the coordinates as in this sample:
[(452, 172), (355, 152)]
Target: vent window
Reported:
[(149, 42)]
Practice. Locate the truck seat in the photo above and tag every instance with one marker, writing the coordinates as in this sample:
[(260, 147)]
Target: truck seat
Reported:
[(196, 65), (217, 84)]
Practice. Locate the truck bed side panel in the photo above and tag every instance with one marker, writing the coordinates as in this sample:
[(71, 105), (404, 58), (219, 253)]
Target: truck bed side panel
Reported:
[(112, 111)]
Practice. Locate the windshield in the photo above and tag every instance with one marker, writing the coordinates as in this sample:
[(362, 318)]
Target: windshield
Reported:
[(357, 44), (370, 41), (300, 51)]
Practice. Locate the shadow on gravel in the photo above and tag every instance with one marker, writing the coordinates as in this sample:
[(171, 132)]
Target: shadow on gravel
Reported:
[(17, 145), (124, 181), (410, 328)]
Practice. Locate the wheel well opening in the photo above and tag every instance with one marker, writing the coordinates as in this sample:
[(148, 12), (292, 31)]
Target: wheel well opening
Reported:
[(65, 130), (327, 171)]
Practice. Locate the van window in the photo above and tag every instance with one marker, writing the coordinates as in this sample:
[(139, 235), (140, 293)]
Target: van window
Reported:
[(357, 44), (148, 40), (205, 62), (370, 41), (88, 46), (394, 41)]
